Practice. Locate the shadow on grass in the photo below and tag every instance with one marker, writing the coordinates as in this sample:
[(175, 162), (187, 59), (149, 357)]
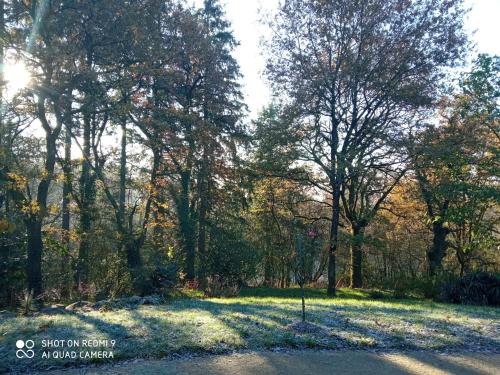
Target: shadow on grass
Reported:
[(51, 337), (263, 292), (349, 326), (221, 325)]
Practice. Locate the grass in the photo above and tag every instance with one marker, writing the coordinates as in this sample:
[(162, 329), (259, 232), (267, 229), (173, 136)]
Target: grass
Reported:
[(258, 319)]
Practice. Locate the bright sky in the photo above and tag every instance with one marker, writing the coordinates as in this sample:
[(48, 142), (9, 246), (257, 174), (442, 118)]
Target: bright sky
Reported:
[(244, 16)]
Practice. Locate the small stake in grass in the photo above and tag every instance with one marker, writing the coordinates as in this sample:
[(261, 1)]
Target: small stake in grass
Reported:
[(300, 273), (301, 269)]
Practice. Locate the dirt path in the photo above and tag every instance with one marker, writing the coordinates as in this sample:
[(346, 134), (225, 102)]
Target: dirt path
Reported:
[(310, 362)]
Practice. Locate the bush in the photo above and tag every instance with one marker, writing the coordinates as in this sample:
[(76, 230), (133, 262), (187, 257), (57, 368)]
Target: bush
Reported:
[(423, 286), (432, 287), (114, 280), (402, 287), (231, 256), (218, 286), (478, 288), (376, 294), (125, 303), (12, 262), (164, 279)]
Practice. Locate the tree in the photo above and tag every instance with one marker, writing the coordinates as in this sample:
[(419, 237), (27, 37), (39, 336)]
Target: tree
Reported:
[(200, 111), (349, 70), (271, 219), (396, 241), (367, 184), (40, 39), (455, 164)]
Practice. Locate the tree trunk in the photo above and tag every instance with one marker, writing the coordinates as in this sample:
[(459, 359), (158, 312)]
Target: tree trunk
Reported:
[(34, 221), (133, 254), (186, 226), (461, 261), (303, 297), (268, 271), (65, 222), (34, 261), (86, 199), (132, 246), (333, 241), (65, 225), (438, 249), (357, 256), (202, 220), (123, 172), (202, 244), (157, 201), (2, 58)]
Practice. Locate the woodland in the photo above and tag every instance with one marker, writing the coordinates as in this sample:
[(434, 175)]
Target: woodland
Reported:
[(129, 164)]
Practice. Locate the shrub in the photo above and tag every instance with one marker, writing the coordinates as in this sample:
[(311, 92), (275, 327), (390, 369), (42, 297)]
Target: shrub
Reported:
[(431, 287), (165, 277), (423, 286), (231, 256), (478, 288), (114, 281), (376, 294), (402, 287), (126, 303), (12, 262), (218, 286)]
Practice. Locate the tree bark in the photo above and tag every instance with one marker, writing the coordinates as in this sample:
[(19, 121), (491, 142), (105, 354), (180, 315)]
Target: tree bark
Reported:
[(438, 249), (66, 218), (461, 261), (334, 229), (157, 200), (202, 221), (268, 270), (65, 225), (34, 260), (86, 199), (2, 57), (186, 225), (35, 219), (123, 172), (357, 256), (131, 244), (133, 254)]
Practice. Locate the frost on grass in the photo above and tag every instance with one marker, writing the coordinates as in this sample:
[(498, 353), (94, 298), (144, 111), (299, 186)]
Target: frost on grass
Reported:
[(220, 325), (304, 327)]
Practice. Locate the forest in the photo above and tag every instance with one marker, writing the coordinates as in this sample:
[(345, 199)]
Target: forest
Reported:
[(129, 164)]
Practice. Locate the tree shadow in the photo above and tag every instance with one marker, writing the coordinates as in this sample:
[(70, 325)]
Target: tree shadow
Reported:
[(54, 337), (350, 326), (159, 331)]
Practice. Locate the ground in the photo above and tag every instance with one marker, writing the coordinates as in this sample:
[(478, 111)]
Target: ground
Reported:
[(258, 320), (309, 362)]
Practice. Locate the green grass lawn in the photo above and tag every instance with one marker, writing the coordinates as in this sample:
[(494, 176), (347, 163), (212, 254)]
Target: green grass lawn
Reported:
[(257, 319)]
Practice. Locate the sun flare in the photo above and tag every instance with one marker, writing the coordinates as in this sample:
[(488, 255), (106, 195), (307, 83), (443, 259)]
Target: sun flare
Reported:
[(16, 75)]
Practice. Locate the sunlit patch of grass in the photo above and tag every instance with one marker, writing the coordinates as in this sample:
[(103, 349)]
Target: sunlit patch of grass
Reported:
[(259, 319)]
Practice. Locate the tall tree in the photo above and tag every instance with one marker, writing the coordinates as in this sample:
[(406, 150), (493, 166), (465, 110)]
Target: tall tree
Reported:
[(455, 164), (349, 68), (40, 39)]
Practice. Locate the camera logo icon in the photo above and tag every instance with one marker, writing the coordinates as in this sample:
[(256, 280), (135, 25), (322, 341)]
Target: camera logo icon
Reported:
[(28, 345)]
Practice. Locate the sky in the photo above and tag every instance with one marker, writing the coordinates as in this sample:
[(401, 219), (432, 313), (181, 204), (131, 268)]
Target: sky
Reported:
[(244, 16)]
